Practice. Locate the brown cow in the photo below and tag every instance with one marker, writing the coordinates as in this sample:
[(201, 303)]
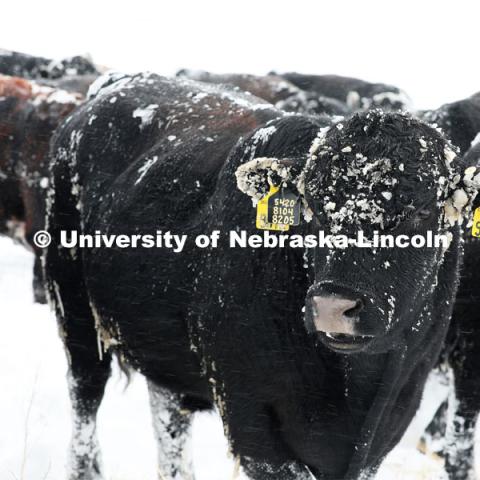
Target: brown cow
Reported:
[(29, 114)]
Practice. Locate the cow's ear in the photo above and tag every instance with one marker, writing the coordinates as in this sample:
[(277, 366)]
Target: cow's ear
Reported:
[(255, 177), (464, 197)]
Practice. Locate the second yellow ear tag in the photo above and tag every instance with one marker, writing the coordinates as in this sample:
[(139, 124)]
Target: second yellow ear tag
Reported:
[(476, 223), (262, 213)]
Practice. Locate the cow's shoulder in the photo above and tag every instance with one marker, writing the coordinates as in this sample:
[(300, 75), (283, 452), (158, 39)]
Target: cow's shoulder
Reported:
[(290, 136), (129, 116)]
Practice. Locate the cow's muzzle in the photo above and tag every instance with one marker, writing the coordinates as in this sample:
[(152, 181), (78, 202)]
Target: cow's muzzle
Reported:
[(337, 321)]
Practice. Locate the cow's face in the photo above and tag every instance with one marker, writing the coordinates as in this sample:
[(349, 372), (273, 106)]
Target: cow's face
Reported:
[(390, 174)]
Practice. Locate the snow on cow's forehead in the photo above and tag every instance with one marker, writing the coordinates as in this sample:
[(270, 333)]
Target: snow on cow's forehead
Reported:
[(376, 168)]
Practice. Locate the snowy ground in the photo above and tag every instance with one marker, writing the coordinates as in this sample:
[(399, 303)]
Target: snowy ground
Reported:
[(34, 407)]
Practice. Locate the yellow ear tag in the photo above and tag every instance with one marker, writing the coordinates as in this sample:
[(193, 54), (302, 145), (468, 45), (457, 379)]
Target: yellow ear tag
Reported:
[(262, 213), (476, 223)]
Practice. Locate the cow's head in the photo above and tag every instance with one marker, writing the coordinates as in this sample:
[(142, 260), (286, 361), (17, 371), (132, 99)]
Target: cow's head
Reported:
[(376, 172)]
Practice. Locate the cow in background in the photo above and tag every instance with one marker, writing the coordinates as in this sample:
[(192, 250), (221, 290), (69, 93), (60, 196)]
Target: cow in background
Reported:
[(355, 93), (274, 89), (460, 121), (451, 434), (74, 74), (29, 115)]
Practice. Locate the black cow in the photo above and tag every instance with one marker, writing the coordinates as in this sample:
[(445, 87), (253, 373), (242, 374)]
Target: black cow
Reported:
[(29, 114), (462, 357), (74, 74), (357, 94), (460, 120), (274, 89), (451, 432), (326, 392)]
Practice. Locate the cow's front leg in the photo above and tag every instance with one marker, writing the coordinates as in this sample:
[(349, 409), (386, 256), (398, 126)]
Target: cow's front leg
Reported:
[(172, 425)]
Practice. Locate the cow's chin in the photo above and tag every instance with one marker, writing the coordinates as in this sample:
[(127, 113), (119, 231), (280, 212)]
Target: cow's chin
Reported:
[(344, 343)]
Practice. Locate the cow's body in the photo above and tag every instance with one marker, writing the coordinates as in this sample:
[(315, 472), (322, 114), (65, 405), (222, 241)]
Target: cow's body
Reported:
[(463, 348), (159, 131), (74, 74), (224, 325), (459, 120), (357, 94), (276, 90), (453, 427), (29, 115)]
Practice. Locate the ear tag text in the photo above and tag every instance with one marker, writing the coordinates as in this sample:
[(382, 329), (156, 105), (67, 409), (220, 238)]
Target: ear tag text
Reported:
[(476, 223), (278, 210)]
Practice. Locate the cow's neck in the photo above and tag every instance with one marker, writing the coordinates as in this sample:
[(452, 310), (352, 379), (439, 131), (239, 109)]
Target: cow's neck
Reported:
[(401, 370)]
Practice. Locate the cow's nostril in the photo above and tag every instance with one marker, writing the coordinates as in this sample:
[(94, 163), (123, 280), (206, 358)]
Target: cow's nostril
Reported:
[(355, 310)]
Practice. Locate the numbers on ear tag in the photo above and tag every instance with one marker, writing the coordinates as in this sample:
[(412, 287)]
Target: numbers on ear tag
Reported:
[(476, 223), (278, 210)]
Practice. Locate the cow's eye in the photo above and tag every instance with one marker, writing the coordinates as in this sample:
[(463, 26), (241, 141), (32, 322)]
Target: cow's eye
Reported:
[(423, 214)]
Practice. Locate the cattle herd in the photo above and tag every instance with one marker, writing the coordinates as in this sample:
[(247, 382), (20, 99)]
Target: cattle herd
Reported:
[(316, 359)]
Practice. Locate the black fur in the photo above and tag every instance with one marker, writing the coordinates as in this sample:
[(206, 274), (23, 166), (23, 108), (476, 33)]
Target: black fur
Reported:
[(74, 74), (357, 94), (459, 120), (276, 90)]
